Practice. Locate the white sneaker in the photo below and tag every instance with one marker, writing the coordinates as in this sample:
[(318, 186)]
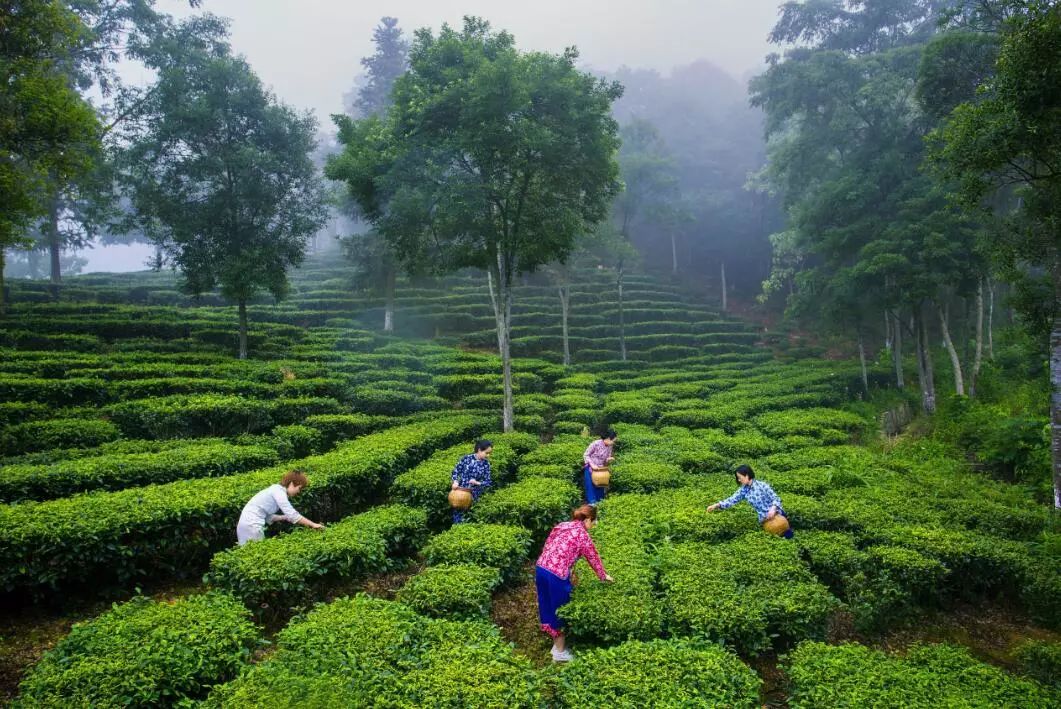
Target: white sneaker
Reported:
[(564, 656)]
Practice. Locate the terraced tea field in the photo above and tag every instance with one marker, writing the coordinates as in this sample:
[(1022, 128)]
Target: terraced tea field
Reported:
[(131, 439)]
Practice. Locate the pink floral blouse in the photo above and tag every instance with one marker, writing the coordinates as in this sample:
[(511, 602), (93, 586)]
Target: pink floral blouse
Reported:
[(566, 543), (597, 454)]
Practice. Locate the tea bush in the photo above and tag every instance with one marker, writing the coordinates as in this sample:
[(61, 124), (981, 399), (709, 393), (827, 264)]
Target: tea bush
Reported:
[(660, 673), (644, 475), (367, 652), (1041, 660), (499, 546), (451, 590), (535, 504), (340, 427), (281, 572), (928, 676), (120, 471), (33, 436), (191, 416), (144, 653)]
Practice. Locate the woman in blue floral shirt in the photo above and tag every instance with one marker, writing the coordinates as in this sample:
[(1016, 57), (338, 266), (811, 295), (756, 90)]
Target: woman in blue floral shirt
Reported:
[(758, 494), (472, 472)]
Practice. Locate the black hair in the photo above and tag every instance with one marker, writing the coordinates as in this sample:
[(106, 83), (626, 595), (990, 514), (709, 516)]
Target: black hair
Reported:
[(483, 444), (745, 470), (609, 434)]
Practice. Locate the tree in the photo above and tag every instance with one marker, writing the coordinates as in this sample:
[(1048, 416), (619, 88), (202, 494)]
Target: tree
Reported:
[(223, 172), (1009, 137), (47, 131), (371, 254), (489, 158)]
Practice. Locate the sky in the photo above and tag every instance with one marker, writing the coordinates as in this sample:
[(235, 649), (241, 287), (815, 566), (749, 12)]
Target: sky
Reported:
[(308, 51)]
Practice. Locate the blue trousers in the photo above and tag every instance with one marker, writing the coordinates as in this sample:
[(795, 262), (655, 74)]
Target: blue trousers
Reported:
[(594, 494), (553, 592)]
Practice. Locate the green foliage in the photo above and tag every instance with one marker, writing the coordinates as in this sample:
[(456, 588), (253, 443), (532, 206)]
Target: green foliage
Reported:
[(663, 673), (340, 427), (56, 433), (928, 676), (459, 591), (191, 416), (281, 572), (174, 527), (498, 546), (645, 475), (120, 471), (896, 582), (1041, 660), (144, 653), (535, 504), (363, 651)]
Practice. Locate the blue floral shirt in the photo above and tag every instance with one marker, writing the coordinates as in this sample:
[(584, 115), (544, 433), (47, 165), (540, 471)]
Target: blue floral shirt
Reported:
[(759, 495), (471, 468)]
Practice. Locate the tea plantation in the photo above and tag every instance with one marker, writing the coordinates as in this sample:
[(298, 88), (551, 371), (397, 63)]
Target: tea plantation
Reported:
[(131, 437)]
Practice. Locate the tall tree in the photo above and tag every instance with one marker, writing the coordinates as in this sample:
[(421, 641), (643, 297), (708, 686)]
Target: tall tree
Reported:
[(372, 255), (223, 172), (489, 158), (1009, 138), (47, 130)]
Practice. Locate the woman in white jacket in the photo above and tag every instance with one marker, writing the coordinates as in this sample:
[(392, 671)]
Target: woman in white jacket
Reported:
[(273, 505)]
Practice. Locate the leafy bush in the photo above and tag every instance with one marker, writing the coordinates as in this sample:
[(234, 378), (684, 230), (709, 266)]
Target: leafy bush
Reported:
[(191, 416), (896, 581), (664, 673), (281, 572), (451, 590), (340, 427), (119, 537), (144, 653), (807, 422), (928, 676), (639, 475), (367, 652), (535, 504), (295, 441), (1041, 660), (56, 433), (117, 472), (500, 546)]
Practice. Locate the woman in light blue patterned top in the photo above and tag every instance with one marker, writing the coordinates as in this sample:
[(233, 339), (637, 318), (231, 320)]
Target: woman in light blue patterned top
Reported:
[(759, 495)]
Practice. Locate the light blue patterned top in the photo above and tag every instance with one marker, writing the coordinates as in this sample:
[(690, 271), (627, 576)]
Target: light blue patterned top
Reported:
[(759, 495)]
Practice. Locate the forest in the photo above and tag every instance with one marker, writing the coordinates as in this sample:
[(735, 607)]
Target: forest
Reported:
[(832, 283)]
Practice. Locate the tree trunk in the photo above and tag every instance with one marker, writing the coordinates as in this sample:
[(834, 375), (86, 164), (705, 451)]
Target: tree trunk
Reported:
[(978, 352), (956, 365), (501, 299), (924, 362), (242, 329), (897, 351), (3, 286), (724, 304), (33, 259), (887, 331), (1055, 380), (565, 300), (673, 253), (622, 323), (54, 247), (388, 307), (990, 320), (862, 362)]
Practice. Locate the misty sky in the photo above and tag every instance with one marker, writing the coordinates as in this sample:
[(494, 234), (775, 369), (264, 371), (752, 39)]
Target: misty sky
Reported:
[(308, 51)]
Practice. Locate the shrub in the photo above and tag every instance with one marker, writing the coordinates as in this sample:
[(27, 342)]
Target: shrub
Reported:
[(535, 504), (144, 653), (120, 537), (191, 416), (390, 402), (282, 572), (672, 673), (340, 427), (1041, 660), (295, 410), (896, 582), (832, 557), (639, 475), (295, 441), (743, 593), (558, 472), (631, 411), (117, 472), (807, 422), (928, 676), (22, 411), (451, 590), (500, 546), (54, 392), (368, 652), (56, 433)]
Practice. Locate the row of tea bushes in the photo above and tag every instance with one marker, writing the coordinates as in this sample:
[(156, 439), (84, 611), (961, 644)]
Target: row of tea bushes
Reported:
[(925, 677), (279, 574), (144, 653), (119, 537)]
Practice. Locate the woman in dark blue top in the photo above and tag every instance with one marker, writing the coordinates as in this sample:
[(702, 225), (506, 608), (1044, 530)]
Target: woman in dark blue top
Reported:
[(472, 472)]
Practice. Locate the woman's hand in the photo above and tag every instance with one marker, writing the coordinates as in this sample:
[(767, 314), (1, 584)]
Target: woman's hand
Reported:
[(318, 525), (772, 513), (611, 459), (474, 482), (454, 486), (608, 579), (713, 507)]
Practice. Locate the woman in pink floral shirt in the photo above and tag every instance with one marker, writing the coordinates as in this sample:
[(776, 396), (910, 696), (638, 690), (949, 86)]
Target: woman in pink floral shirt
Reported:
[(566, 544), (598, 455)]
